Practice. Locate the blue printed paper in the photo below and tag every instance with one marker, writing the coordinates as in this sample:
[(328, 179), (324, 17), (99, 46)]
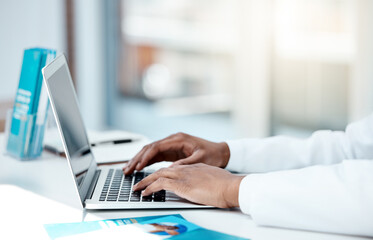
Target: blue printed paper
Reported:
[(66, 229), (160, 227)]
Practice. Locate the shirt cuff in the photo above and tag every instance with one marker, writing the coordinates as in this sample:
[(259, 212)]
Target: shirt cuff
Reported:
[(237, 152), (248, 186)]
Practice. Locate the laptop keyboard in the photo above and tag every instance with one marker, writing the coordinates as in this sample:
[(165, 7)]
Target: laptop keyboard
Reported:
[(118, 188)]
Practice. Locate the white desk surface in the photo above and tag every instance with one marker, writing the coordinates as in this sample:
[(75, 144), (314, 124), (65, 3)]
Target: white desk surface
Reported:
[(41, 191)]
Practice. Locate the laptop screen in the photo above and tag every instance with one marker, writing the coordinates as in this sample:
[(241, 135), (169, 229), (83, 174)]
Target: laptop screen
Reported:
[(61, 92)]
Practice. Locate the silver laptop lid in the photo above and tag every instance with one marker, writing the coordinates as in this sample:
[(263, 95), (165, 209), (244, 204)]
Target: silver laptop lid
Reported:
[(70, 124)]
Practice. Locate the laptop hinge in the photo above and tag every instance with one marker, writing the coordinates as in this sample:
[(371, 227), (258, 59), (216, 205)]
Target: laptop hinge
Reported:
[(93, 184)]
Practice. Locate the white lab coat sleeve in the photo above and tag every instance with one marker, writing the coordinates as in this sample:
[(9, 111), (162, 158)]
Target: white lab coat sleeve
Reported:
[(282, 153), (335, 198)]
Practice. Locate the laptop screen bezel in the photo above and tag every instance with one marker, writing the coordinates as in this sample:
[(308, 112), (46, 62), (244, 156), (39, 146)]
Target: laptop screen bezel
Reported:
[(48, 72)]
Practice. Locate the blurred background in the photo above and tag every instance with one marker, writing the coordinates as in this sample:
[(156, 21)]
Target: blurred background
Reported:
[(218, 69)]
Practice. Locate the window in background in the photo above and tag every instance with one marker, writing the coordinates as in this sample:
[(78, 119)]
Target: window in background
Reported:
[(314, 49), (178, 67), (221, 69)]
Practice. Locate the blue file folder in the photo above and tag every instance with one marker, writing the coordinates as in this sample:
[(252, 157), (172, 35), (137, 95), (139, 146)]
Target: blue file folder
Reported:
[(25, 136)]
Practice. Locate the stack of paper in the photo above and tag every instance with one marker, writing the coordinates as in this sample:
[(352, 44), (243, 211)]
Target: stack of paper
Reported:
[(103, 147)]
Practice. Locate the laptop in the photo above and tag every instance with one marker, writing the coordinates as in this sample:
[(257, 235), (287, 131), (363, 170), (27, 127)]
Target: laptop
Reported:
[(97, 187)]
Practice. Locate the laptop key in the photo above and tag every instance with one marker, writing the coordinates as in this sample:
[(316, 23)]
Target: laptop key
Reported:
[(160, 196), (136, 194), (139, 174), (159, 199), (147, 198)]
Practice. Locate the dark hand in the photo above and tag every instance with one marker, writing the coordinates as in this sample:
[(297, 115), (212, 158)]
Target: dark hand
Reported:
[(181, 149), (198, 183)]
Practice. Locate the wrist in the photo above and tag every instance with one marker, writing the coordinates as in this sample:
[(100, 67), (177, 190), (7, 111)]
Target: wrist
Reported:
[(224, 153), (231, 194)]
